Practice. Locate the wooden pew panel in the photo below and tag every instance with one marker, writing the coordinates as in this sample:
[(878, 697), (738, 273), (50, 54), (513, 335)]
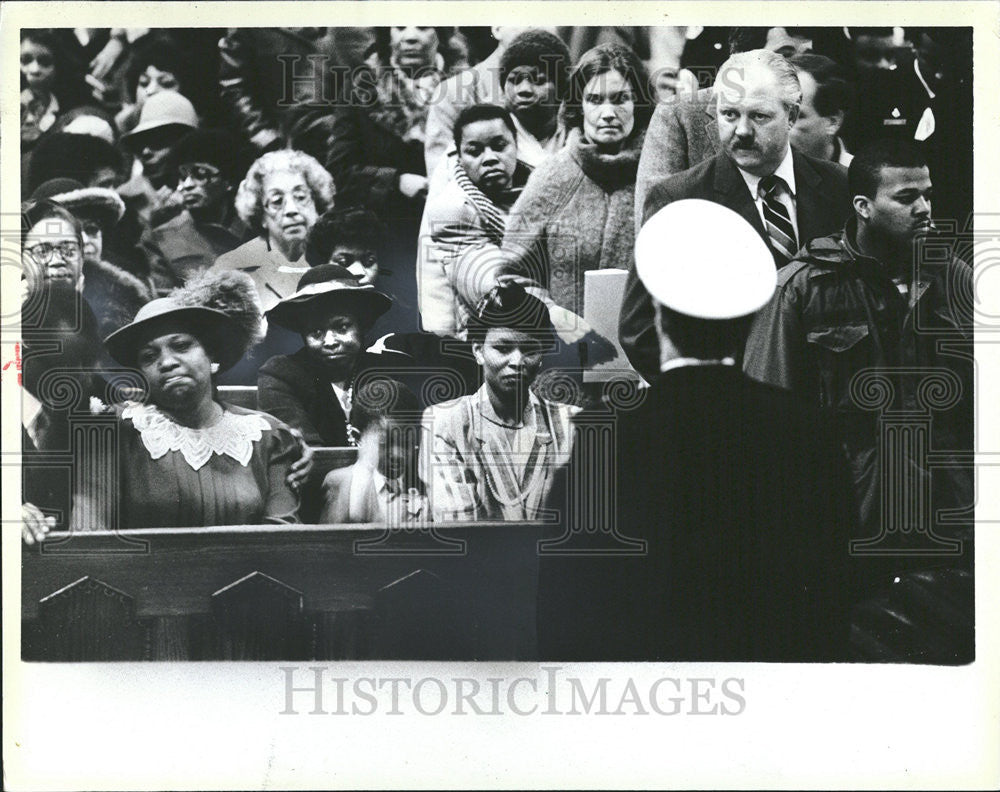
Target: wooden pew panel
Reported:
[(460, 591)]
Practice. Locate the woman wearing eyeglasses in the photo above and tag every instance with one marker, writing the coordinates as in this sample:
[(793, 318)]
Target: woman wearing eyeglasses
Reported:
[(113, 294), (280, 198), (208, 164), (51, 247)]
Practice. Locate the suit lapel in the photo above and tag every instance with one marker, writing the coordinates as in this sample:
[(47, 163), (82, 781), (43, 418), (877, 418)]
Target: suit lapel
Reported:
[(731, 191), (712, 125), (810, 200)]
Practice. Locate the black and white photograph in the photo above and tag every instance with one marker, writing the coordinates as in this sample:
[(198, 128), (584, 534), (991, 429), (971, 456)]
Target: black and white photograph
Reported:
[(521, 369)]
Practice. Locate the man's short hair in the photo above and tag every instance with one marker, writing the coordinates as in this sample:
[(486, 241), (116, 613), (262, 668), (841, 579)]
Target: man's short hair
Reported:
[(744, 39), (705, 339), (833, 91), (335, 227), (865, 172), (481, 112), (788, 81)]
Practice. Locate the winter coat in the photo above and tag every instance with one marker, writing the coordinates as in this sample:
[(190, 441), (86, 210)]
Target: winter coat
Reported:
[(839, 333), (114, 295), (456, 256), (376, 137), (574, 215), (182, 248)]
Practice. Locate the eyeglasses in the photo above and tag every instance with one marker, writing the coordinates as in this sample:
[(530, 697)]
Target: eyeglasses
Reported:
[(342, 260), (45, 61), (42, 252), (275, 202), (197, 172)]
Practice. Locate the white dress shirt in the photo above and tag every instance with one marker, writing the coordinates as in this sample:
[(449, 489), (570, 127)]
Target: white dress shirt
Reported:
[(787, 197)]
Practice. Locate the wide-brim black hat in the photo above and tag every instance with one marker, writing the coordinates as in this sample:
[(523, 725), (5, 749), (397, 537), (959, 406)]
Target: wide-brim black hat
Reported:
[(216, 147), (224, 340), (329, 289)]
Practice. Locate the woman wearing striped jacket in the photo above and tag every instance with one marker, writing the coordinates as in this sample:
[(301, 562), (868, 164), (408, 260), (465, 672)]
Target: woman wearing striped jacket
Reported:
[(493, 455)]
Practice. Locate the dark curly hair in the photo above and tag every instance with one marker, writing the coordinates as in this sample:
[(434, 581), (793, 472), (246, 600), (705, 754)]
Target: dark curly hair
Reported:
[(351, 226), (161, 52)]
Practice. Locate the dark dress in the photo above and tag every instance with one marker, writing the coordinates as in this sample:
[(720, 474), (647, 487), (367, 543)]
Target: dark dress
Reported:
[(299, 393), (224, 490), (48, 460)]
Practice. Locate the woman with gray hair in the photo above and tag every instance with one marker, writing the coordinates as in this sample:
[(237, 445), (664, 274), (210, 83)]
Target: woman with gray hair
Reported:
[(280, 198)]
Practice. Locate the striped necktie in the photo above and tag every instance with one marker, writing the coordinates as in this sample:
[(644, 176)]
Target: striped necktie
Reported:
[(779, 225)]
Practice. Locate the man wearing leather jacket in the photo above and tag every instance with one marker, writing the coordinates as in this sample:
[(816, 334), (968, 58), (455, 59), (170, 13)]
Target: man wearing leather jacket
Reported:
[(874, 325)]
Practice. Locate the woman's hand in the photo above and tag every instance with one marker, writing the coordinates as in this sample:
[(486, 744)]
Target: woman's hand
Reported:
[(570, 327), (299, 470), (412, 185), (35, 526), (107, 58)]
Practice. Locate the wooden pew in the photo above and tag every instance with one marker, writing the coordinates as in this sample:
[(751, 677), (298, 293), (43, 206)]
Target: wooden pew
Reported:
[(239, 395), (459, 591)]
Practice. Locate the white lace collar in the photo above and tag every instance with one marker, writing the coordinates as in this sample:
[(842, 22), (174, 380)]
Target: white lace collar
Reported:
[(232, 436)]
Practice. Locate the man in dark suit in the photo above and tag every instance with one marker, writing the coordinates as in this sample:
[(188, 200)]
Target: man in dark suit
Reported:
[(788, 197), (737, 492)]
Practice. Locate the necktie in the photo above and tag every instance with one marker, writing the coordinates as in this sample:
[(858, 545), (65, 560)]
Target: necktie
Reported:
[(779, 225)]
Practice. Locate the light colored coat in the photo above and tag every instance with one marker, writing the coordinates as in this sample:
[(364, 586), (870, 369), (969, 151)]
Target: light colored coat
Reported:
[(455, 254), (356, 494), (274, 276), (574, 215), (475, 474)]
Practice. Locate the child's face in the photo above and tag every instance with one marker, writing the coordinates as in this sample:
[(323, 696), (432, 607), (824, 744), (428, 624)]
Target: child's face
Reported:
[(360, 260), (397, 448), (530, 95)]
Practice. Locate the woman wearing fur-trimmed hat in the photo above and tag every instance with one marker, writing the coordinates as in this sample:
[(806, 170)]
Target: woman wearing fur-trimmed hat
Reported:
[(312, 389), (185, 458), (112, 293)]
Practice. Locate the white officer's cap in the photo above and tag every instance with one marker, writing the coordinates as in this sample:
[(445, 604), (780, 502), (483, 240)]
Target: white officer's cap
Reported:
[(700, 259)]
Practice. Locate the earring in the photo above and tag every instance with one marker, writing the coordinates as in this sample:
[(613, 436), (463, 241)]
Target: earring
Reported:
[(214, 368)]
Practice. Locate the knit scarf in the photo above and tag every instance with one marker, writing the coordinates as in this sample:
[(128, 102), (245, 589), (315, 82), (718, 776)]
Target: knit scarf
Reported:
[(610, 171), (493, 218)]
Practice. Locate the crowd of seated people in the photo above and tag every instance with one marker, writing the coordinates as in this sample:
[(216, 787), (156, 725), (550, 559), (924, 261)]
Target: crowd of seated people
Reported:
[(428, 254)]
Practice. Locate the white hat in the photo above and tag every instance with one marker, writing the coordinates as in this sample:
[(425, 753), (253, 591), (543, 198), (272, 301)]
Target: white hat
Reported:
[(163, 109), (700, 259)]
